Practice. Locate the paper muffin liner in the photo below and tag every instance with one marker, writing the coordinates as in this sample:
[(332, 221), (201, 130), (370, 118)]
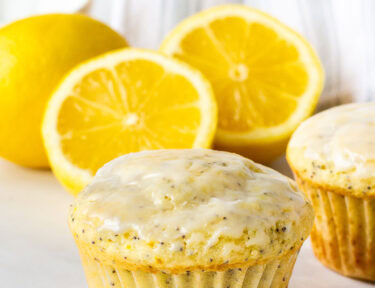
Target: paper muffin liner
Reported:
[(274, 274), (343, 236)]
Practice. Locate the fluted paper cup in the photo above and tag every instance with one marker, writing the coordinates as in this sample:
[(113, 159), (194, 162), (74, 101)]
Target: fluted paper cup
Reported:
[(100, 274), (343, 236)]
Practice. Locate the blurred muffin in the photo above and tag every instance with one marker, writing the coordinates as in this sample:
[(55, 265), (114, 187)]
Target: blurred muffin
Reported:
[(189, 218), (333, 158)]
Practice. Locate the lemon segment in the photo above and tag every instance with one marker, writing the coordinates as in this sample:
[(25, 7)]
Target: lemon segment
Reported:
[(266, 77), (125, 101)]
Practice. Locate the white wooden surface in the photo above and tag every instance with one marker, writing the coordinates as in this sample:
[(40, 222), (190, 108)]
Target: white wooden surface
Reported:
[(37, 250)]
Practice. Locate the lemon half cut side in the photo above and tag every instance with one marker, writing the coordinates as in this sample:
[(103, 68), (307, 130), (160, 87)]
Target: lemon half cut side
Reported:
[(267, 79), (125, 101)]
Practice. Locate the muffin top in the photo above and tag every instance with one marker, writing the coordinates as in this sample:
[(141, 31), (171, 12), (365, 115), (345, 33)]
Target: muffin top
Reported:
[(190, 209), (336, 148)]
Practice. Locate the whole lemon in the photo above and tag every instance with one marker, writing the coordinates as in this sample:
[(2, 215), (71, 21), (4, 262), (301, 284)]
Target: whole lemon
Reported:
[(35, 53)]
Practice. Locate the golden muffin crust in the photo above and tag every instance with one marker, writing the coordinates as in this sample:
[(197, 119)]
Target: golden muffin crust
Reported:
[(336, 149), (189, 209)]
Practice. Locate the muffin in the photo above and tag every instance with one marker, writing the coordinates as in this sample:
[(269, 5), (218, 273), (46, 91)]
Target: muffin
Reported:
[(189, 218), (333, 158)]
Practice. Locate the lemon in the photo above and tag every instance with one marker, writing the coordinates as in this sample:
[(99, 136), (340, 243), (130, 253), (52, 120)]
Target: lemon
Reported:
[(34, 55), (266, 77), (125, 101)]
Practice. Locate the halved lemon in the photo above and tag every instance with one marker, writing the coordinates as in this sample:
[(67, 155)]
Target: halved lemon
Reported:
[(125, 101), (266, 77)]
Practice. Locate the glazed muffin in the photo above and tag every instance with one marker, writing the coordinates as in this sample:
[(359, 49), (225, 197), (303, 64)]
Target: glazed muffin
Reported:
[(189, 218), (333, 158)]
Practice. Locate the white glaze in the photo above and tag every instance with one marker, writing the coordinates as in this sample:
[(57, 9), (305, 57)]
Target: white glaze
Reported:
[(202, 194), (343, 137)]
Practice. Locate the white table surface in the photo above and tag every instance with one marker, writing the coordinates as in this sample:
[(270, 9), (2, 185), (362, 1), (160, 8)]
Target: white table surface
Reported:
[(37, 250)]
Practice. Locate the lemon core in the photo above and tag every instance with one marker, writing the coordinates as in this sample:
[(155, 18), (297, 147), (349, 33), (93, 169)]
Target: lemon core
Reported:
[(131, 120), (239, 72)]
